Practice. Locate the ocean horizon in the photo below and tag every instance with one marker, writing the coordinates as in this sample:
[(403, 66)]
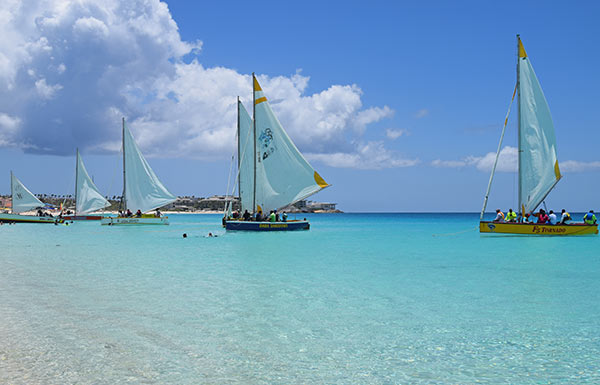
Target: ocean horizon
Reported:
[(361, 298)]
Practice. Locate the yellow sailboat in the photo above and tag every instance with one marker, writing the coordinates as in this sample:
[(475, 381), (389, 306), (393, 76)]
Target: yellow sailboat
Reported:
[(539, 171)]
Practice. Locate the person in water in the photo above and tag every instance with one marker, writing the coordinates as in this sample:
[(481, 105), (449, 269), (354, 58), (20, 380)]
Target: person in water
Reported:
[(589, 218), (511, 216), (565, 217), (499, 216)]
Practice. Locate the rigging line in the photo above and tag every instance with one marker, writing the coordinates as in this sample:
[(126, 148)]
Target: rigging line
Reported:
[(487, 193), (243, 157), (228, 183)]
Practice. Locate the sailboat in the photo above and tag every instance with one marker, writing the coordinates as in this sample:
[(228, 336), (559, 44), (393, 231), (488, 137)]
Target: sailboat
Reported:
[(87, 197), (142, 190), (539, 171), (272, 173), (23, 200)]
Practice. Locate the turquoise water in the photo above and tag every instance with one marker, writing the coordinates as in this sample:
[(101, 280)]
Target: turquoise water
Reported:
[(358, 299)]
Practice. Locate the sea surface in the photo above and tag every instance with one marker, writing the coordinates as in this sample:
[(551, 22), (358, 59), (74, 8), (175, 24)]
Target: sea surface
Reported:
[(358, 299)]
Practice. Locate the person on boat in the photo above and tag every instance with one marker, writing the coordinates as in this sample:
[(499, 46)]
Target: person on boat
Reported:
[(259, 216), (542, 217), (499, 216), (276, 216), (246, 216), (511, 216), (271, 217), (235, 215), (157, 214), (284, 217), (589, 218), (128, 213), (552, 218), (565, 217)]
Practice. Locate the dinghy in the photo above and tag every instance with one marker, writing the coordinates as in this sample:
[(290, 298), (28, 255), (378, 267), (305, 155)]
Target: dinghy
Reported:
[(539, 171), (272, 173), (142, 190), (23, 200)]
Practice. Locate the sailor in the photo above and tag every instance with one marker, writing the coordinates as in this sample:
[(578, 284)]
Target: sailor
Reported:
[(246, 215), (511, 216), (552, 218), (284, 217), (258, 215), (589, 218), (499, 216), (138, 213), (157, 213), (272, 216), (565, 217), (542, 217), (276, 216)]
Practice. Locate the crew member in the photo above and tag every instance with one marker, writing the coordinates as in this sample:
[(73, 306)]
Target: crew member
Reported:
[(589, 218)]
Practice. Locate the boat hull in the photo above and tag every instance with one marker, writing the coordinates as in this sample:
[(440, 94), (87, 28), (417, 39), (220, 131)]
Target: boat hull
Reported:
[(115, 221), (17, 218), (537, 229), (267, 226), (82, 217)]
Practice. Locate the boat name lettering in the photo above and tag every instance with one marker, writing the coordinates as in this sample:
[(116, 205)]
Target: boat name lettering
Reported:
[(546, 229), (273, 225)]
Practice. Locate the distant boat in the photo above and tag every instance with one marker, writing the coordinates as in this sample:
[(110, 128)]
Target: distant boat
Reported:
[(538, 162), (272, 173), (142, 190), (23, 200), (87, 197)]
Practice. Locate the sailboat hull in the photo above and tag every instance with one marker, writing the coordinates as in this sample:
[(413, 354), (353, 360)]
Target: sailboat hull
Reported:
[(17, 218), (537, 229), (267, 226), (83, 217), (115, 221)]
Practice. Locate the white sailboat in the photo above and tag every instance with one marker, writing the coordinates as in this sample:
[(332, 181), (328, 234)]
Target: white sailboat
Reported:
[(87, 197), (272, 172), (142, 190), (539, 171), (22, 201)]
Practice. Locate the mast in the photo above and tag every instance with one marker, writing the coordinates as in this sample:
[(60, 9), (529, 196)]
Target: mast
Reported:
[(123, 199), (238, 143), (521, 207), (12, 193), (76, 177), (254, 139)]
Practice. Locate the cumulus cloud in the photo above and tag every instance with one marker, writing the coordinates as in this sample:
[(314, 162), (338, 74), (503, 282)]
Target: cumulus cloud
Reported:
[(576, 166), (395, 134), (507, 161), (422, 113), (69, 69), (370, 155)]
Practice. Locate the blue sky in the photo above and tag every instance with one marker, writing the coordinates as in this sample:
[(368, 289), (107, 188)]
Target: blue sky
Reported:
[(396, 105)]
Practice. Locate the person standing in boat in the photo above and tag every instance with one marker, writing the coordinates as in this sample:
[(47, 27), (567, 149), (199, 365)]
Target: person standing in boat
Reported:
[(589, 218), (565, 217)]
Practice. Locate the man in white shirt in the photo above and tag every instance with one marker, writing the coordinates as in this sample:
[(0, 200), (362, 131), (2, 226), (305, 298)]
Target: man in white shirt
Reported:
[(552, 218)]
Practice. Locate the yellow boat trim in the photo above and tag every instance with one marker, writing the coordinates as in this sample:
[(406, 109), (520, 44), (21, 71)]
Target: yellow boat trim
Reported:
[(320, 181), (536, 229), (260, 100)]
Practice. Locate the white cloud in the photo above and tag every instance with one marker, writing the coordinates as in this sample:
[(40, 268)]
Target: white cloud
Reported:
[(69, 69), (576, 166), (507, 161), (9, 126), (370, 155), (395, 134), (422, 113)]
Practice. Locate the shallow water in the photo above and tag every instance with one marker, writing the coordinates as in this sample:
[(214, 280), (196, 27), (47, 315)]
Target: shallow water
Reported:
[(360, 298)]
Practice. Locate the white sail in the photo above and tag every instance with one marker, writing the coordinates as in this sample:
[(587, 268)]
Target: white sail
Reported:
[(22, 199), (245, 158), (283, 176), (143, 189), (87, 196), (538, 162)]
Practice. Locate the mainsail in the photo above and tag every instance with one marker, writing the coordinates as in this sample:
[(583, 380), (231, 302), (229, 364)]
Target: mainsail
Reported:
[(538, 162), (282, 176), (143, 189), (245, 158), (22, 199), (87, 196)]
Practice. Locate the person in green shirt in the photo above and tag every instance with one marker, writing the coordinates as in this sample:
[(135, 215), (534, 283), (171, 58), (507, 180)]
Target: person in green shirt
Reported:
[(589, 218)]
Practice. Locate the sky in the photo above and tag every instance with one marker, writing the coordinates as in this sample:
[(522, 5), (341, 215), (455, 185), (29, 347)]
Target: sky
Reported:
[(398, 105)]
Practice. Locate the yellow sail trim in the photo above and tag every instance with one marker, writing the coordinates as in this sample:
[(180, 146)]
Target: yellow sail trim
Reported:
[(256, 85), (260, 100), (522, 52), (320, 181), (258, 209), (557, 171)]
